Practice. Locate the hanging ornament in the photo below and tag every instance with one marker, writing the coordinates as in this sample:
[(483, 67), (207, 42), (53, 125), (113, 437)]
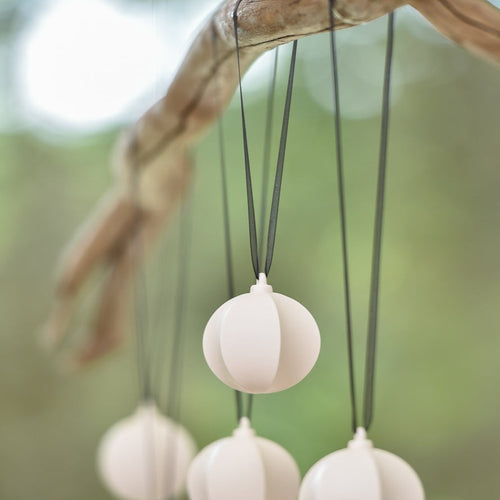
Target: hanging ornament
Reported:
[(243, 467), (145, 456), (361, 472), (262, 341)]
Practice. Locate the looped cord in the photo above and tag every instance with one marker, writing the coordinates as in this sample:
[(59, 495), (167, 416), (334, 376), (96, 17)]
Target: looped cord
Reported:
[(273, 216), (369, 382), (240, 411), (342, 213)]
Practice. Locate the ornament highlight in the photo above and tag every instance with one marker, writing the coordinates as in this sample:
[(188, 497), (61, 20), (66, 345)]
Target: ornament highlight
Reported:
[(145, 456), (361, 472), (243, 467), (262, 341)]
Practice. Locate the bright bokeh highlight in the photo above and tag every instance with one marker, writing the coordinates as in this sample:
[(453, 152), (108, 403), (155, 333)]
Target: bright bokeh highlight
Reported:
[(87, 63)]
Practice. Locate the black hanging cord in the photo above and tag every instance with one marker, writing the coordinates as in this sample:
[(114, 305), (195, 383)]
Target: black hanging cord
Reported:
[(225, 200), (252, 228), (377, 239), (378, 226), (342, 212), (240, 411), (273, 217), (140, 291), (279, 167), (172, 405), (148, 390), (161, 313), (175, 372), (266, 161)]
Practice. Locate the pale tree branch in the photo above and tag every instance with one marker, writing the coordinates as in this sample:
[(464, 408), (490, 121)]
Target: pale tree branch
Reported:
[(473, 24), (158, 143)]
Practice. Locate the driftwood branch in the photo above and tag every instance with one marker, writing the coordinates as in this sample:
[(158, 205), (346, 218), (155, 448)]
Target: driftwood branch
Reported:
[(473, 24), (158, 144)]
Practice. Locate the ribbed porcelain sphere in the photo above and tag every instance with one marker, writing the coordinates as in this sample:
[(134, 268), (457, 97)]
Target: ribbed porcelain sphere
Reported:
[(261, 341), (243, 467), (145, 456), (361, 472)]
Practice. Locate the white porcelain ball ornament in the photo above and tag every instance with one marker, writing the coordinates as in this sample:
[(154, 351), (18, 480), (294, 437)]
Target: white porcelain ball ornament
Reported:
[(145, 456), (243, 467), (361, 472), (262, 341)]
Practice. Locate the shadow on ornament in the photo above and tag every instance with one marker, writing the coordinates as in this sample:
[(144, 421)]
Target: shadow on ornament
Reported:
[(261, 342), (361, 472), (243, 467), (145, 456)]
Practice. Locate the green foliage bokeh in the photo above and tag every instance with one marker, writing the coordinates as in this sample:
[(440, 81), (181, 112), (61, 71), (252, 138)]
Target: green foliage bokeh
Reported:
[(437, 402)]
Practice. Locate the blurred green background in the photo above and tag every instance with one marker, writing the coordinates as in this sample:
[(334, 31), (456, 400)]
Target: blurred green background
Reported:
[(437, 397)]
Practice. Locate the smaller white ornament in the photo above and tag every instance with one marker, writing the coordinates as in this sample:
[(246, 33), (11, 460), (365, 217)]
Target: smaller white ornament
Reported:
[(361, 472), (261, 342), (243, 467), (145, 456)]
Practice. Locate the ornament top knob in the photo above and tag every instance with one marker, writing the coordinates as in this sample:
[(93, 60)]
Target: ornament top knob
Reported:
[(360, 440), (244, 428), (261, 285)]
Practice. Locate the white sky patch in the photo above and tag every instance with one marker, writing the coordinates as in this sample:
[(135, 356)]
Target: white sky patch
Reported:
[(86, 64)]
